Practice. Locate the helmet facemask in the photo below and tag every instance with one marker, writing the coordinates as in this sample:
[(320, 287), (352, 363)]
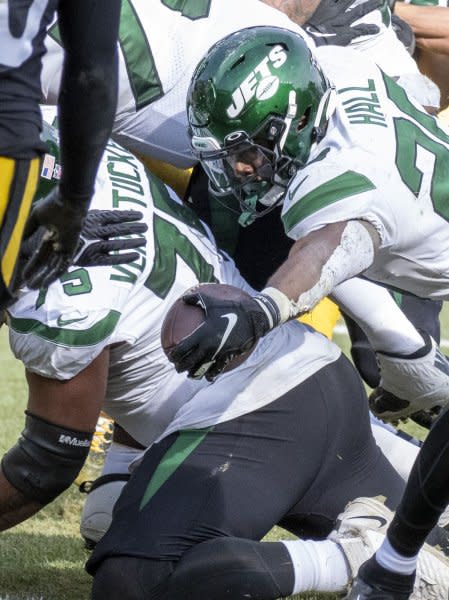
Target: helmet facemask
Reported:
[(262, 184)]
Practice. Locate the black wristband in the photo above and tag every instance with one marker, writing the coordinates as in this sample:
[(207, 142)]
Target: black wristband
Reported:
[(270, 308)]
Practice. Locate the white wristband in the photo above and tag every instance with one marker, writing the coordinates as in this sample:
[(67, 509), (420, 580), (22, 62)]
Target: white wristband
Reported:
[(285, 306)]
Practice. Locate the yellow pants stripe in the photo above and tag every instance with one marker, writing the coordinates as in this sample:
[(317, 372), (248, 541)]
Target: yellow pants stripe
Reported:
[(7, 170), (11, 253)]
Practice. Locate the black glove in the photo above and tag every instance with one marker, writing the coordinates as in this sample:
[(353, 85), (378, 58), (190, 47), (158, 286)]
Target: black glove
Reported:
[(63, 220), (95, 244), (231, 328), (331, 23)]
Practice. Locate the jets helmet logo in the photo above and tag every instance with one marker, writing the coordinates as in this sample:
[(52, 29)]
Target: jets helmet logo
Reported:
[(261, 82)]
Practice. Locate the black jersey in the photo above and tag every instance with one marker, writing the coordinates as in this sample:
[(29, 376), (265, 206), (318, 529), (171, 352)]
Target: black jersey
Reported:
[(23, 25)]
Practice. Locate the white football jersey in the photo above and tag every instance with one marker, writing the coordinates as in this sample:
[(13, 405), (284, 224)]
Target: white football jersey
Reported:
[(383, 160), (59, 331), (159, 48)]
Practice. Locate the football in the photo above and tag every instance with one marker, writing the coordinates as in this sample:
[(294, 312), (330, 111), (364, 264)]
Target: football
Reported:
[(182, 319)]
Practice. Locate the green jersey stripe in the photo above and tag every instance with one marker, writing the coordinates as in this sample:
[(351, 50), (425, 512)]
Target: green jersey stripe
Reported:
[(68, 337), (386, 14), (142, 72), (54, 33), (163, 201), (199, 9), (345, 185), (180, 450)]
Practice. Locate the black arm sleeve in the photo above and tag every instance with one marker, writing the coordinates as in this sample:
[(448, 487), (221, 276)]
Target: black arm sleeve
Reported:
[(88, 96)]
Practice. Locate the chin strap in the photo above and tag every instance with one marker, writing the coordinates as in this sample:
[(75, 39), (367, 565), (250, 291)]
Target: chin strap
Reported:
[(249, 216), (271, 199)]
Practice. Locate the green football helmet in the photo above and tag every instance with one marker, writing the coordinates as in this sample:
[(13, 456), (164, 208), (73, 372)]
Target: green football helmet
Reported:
[(256, 104)]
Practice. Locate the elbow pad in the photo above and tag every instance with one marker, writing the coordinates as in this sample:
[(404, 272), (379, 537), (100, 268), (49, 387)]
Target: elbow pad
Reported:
[(46, 459)]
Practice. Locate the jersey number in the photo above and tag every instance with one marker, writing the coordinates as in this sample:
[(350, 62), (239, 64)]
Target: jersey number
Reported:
[(73, 282), (418, 137), (170, 243)]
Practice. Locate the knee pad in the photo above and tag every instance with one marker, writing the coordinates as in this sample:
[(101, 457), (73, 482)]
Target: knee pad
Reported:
[(97, 511), (46, 459)]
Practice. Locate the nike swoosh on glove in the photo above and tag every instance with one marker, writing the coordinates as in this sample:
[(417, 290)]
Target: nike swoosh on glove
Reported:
[(230, 329)]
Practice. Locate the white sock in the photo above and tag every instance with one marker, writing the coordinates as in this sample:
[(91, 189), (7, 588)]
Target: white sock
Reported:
[(390, 559), (118, 458), (318, 566)]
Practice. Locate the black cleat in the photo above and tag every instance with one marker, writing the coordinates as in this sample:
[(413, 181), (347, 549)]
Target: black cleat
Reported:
[(376, 583)]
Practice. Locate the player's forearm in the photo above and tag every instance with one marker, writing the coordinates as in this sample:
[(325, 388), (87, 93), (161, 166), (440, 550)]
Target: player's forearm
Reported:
[(84, 135), (319, 262), (88, 97), (430, 25), (15, 507)]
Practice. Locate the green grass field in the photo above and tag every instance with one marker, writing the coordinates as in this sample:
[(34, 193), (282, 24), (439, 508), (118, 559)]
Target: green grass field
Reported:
[(43, 558)]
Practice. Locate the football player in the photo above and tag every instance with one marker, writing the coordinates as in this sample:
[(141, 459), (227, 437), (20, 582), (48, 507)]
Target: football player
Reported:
[(156, 64), (227, 460), (361, 171), (87, 107)]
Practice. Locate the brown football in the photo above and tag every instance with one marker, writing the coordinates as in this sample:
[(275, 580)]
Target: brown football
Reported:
[(182, 319)]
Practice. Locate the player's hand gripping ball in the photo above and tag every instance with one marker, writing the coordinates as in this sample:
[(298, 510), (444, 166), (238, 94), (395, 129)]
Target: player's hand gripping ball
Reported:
[(206, 318)]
